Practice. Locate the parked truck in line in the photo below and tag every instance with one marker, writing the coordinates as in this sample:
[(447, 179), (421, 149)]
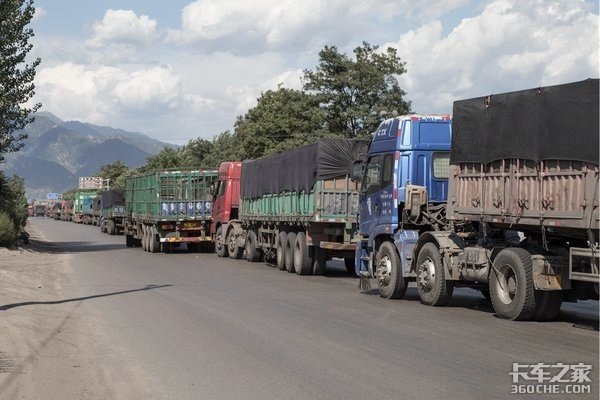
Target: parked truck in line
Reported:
[(66, 210), (112, 211), (520, 218), (167, 208), (296, 209), (82, 206), (39, 210)]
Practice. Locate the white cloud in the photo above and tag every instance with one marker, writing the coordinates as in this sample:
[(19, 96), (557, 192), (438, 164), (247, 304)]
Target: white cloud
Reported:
[(252, 26), (511, 45), (123, 27), (39, 14)]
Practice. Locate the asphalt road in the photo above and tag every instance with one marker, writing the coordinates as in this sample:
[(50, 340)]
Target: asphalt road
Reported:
[(203, 327)]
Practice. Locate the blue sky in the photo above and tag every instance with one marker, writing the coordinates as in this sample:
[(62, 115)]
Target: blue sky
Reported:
[(183, 69)]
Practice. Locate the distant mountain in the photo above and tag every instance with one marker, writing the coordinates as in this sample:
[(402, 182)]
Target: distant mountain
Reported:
[(56, 153)]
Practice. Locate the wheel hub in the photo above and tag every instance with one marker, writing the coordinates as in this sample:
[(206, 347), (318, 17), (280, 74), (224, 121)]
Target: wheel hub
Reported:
[(506, 285), (384, 270), (426, 277)]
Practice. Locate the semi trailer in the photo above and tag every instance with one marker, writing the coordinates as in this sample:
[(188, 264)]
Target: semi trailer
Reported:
[(112, 211), (82, 206), (296, 209), (167, 208), (511, 210)]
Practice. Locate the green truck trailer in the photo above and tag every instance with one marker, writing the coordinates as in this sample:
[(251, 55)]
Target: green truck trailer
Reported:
[(82, 206), (298, 208), (167, 208)]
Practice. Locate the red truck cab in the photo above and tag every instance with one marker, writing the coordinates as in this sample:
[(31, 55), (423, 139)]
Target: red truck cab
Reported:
[(226, 197)]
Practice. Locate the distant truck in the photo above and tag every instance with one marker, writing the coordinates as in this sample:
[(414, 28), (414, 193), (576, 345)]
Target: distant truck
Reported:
[(82, 206), (520, 222), (112, 213), (168, 208), (297, 209), (39, 210), (66, 210)]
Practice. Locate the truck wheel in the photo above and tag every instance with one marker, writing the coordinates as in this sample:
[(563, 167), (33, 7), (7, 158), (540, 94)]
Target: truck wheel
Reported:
[(220, 246), (350, 266), (319, 261), (252, 252), (392, 284), (144, 241), (547, 305), (511, 285), (235, 252), (154, 243), (433, 288), (302, 263), (281, 244), (289, 252), (129, 240)]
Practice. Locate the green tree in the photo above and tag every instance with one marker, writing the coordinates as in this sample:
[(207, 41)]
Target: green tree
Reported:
[(13, 202), (282, 119), (353, 92), (114, 173), (167, 158), (16, 75), (196, 152), (225, 148)]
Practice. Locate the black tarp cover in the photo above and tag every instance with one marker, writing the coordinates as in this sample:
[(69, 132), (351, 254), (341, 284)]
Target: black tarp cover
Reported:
[(113, 197), (299, 169), (555, 122)]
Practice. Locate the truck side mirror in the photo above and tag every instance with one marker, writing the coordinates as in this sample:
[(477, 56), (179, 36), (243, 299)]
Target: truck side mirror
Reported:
[(357, 171)]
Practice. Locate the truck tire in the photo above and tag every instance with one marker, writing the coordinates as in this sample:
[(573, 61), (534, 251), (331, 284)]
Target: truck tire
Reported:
[(154, 243), (511, 285), (281, 244), (235, 252), (253, 253), (547, 305), (220, 244), (319, 261), (433, 288), (392, 285), (302, 261), (144, 239), (129, 240), (289, 252), (350, 266)]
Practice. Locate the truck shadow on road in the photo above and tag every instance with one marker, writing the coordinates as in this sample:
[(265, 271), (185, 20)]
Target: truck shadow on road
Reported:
[(95, 296), (72, 247)]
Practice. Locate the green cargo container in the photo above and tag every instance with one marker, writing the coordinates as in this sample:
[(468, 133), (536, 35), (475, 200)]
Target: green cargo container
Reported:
[(169, 207), (298, 208), (82, 206), (332, 200)]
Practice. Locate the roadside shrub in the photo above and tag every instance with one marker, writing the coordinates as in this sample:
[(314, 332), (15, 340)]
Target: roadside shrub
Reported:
[(8, 232)]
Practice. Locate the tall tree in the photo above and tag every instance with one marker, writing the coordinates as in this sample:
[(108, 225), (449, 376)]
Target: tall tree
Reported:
[(114, 173), (196, 152), (16, 75), (167, 158), (282, 119), (353, 92)]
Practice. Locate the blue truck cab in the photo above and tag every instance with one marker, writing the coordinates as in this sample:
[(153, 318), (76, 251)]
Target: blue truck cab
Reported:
[(406, 152)]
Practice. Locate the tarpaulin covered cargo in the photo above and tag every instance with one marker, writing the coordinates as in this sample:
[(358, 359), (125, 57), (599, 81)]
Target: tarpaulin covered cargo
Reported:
[(547, 123), (113, 197), (298, 170)]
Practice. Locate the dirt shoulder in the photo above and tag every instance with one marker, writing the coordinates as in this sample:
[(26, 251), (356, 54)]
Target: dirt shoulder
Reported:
[(49, 347)]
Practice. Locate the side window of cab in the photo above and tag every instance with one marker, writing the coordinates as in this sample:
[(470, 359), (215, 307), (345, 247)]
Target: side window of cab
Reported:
[(373, 175)]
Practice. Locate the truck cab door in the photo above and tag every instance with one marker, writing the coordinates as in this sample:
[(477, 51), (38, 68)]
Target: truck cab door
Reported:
[(388, 214), (370, 198)]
